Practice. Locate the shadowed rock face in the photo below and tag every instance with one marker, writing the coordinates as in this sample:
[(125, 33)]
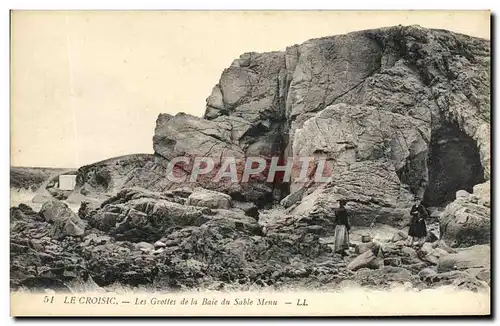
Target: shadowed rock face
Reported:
[(386, 107)]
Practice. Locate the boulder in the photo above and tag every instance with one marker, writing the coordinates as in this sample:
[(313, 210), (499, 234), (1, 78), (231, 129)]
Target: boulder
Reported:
[(366, 259), (457, 279), (483, 193), (159, 244), (364, 247), (136, 215), (465, 223), (474, 257), (409, 252), (211, 199), (234, 220), (248, 208), (293, 198), (399, 236), (23, 212), (442, 245), (55, 210), (432, 258), (392, 261), (149, 219), (383, 278), (74, 227), (121, 262), (64, 221), (427, 274), (462, 194), (427, 248), (366, 238)]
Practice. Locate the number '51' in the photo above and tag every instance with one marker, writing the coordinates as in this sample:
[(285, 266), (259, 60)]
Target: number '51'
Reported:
[(48, 299)]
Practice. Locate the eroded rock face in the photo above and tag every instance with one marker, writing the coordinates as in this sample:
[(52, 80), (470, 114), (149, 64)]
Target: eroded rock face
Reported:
[(137, 215), (100, 181), (371, 102), (63, 220), (366, 147), (410, 95), (211, 199), (38, 259), (190, 137), (378, 104), (467, 220), (473, 257)]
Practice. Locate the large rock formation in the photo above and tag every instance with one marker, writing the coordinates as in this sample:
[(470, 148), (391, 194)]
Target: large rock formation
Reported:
[(467, 220), (398, 112), (110, 176), (64, 221)]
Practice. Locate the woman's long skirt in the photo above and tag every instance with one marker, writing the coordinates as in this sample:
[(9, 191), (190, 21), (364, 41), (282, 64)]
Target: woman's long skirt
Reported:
[(418, 229), (341, 238), (418, 232)]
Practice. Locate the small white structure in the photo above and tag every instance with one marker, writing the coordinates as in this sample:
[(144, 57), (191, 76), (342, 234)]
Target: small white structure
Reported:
[(67, 181)]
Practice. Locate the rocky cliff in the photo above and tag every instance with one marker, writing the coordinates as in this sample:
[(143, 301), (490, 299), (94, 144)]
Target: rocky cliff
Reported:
[(399, 113)]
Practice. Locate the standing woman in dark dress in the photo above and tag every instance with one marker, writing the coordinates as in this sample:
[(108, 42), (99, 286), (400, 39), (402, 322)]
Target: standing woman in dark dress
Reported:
[(418, 228), (342, 228)]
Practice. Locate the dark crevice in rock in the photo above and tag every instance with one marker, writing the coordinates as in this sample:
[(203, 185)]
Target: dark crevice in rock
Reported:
[(454, 164), (411, 173)]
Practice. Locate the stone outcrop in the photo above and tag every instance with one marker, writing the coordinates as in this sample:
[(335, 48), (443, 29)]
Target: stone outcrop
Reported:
[(398, 114), (63, 220), (211, 199), (467, 220), (472, 257), (144, 217), (385, 107), (379, 105), (143, 238), (364, 260), (106, 178), (39, 260)]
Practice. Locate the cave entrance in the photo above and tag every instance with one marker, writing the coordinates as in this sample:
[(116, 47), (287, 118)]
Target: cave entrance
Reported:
[(453, 164)]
